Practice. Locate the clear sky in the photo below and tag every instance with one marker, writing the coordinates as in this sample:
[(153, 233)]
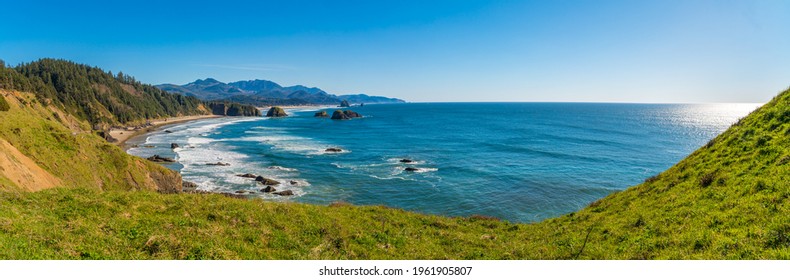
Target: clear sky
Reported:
[(599, 51)]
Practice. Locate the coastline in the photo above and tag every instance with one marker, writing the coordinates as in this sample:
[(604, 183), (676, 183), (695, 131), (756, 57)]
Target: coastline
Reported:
[(124, 134)]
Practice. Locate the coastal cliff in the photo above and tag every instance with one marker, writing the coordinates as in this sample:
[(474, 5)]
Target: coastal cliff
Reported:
[(43, 147)]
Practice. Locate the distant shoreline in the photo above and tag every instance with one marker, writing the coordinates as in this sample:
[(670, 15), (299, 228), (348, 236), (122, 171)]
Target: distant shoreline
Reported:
[(123, 135)]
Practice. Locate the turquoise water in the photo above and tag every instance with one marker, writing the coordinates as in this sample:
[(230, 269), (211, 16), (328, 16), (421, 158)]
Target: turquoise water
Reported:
[(521, 162)]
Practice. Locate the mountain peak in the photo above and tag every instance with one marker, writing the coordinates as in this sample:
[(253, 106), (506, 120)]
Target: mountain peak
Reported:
[(261, 91), (206, 81), (256, 85)]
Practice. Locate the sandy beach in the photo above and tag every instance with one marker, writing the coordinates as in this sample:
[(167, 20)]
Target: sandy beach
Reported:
[(124, 134)]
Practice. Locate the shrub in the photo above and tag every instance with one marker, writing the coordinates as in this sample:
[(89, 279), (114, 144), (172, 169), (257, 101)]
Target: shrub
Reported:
[(4, 104), (651, 179), (762, 140), (707, 179), (710, 143), (778, 237)]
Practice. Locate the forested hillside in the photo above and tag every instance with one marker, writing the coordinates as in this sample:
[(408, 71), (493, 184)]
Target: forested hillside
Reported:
[(102, 98)]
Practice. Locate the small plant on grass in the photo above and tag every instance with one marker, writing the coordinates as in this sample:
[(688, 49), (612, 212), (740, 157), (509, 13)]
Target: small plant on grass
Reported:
[(707, 179), (4, 104)]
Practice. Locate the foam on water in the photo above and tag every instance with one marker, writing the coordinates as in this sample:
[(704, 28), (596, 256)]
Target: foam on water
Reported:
[(275, 167)]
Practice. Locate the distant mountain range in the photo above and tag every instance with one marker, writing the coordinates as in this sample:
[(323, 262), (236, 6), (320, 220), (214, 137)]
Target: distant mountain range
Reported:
[(266, 93)]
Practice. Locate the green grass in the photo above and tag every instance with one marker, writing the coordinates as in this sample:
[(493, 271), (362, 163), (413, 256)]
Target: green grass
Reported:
[(79, 158), (81, 223), (4, 105), (727, 200)]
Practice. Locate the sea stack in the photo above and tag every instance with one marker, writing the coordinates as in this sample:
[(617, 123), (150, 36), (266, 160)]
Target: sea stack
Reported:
[(345, 115), (339, 115), (352, 114), (321, 114), (276, 112), (344, 103)]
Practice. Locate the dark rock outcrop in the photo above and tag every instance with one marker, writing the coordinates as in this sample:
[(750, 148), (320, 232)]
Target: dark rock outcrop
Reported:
[(352, 114), (284, 193), (405, 160), (106, 135), (344, 103), (157, 158), (168, 131), (188, 187), (294, 182), (248, 175), (266, 181), (333, 150), (345, 115), (268, 189), (412, 169), (276, 112), (223, 108), (339, 115), (166, 181), (173, 145), (321, 114), (218, 109), (219, 163)]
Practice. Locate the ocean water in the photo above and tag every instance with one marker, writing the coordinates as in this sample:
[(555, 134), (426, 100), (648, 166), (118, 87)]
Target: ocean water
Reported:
[(522, 162)]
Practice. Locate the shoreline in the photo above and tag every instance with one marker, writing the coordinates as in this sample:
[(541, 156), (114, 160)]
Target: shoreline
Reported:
[(124, 134)]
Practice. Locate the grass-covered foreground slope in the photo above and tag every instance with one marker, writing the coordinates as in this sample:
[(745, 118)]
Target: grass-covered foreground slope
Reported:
[(728, 200), (74, 223), (43, 147)]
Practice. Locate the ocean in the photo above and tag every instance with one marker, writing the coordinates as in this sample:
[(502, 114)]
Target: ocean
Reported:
[(521, 162)]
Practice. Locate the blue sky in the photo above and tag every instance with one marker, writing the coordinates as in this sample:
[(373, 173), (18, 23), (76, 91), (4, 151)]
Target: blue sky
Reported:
[(588, 51)]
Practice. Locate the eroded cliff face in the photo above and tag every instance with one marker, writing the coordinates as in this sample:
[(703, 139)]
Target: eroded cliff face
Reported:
[(21, 172), (160, 179)]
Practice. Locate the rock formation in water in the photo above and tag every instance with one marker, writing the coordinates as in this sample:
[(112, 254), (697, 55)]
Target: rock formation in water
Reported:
[(276, 112)]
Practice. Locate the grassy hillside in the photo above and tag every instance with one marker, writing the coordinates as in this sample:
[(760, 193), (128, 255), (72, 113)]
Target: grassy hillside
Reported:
[(727, 200), (67, 149)]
